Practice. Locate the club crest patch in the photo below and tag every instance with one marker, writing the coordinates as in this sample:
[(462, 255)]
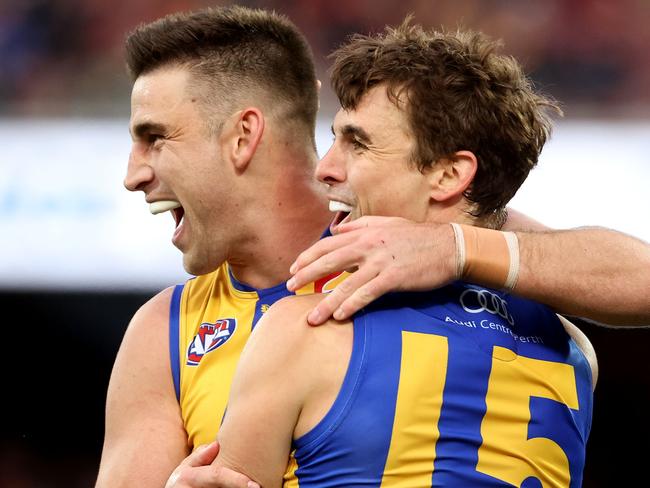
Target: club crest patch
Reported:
[(208, 338)]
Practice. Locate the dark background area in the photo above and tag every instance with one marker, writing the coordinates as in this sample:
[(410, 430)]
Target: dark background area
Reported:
[(61, 347)]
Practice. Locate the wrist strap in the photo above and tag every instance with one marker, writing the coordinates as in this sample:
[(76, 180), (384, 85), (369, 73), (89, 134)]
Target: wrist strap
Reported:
[(486, 257)]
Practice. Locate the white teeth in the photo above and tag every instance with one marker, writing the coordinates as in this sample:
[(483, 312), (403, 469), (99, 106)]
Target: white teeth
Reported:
[(163, 206), (336, 206)]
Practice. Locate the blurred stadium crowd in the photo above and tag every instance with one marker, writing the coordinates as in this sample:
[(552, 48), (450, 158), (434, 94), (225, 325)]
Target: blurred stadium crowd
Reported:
[(64, 57)]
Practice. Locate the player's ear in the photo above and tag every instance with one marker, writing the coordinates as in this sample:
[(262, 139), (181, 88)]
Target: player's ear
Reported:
[(241, 135), (450, 177)]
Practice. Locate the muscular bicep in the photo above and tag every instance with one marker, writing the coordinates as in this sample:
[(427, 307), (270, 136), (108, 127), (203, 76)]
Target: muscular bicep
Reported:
[(264, 405), (144, 438)]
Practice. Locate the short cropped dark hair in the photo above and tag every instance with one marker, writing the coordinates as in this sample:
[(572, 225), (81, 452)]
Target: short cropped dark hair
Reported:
[(233, 50), (461, 95)]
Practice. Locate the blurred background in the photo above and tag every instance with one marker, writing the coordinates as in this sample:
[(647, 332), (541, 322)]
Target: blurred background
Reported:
[(79, 254)]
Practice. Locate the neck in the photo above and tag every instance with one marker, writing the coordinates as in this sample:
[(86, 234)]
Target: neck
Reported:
[(285, 219), (463, 216), (457, 210)]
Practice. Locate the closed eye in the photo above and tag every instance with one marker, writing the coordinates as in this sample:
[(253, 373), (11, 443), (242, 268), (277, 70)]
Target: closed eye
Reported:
[(148, 132), (358, 145), (154, 140)]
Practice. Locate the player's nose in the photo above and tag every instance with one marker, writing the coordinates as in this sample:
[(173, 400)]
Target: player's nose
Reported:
[(331, 167), (138, 173)]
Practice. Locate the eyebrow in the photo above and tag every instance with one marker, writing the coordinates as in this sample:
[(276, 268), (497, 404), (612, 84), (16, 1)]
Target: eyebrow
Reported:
[(143, 128), (354, 131)]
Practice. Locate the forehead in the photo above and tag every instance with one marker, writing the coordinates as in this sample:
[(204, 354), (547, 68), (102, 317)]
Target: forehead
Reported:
[(159, 95), (376, 113)]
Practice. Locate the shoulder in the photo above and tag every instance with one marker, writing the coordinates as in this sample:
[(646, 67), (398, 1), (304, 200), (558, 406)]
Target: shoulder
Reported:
[(142, 367), (286, 321), (146, 341), (518, 221), (283, 340), (295, 304), (289, 358), (273, 355), (144, 434), (155, 309), (287, 317), (281, 327)]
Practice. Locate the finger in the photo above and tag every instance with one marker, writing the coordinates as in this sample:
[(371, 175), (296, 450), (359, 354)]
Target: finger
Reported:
[(319, 249), (333, 300), (367, 221), (336, 259), (361, 297), (222, 477), (202, 455), (310, 254), (209, 477)]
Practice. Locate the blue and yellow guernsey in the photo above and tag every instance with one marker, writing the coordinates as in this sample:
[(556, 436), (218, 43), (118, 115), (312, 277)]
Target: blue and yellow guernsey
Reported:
[(461, 387), (211, 318)]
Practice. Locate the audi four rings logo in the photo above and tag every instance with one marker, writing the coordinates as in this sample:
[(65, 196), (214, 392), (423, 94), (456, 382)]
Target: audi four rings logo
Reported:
[(477, 301)]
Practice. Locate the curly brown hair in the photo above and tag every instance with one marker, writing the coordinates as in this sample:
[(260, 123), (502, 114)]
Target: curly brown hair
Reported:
[(461, 95)]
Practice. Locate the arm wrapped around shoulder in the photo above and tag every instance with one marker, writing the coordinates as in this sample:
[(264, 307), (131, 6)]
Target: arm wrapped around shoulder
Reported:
[(485, 256)]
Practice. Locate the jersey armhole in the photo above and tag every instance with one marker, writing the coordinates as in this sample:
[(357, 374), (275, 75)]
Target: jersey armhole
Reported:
[(174, 337), (346, 395)]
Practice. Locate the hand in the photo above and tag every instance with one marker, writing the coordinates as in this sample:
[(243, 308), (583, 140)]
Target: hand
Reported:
[(387, 254), (196, 471)]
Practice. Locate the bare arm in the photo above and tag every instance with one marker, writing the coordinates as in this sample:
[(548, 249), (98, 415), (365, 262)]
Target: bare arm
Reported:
[(287, 379), (596, 273), (145, 438), (265, 401)]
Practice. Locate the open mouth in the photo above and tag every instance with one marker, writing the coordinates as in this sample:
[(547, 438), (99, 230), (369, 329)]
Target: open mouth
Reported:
[(172, 206), (342, 210), (339, 218), (178, 213)]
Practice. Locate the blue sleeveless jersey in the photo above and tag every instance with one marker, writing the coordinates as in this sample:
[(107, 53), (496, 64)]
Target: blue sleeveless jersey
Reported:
[(461, 387)]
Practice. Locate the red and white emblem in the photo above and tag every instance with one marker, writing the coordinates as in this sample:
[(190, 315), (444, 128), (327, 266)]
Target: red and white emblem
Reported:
[(208, 338)]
